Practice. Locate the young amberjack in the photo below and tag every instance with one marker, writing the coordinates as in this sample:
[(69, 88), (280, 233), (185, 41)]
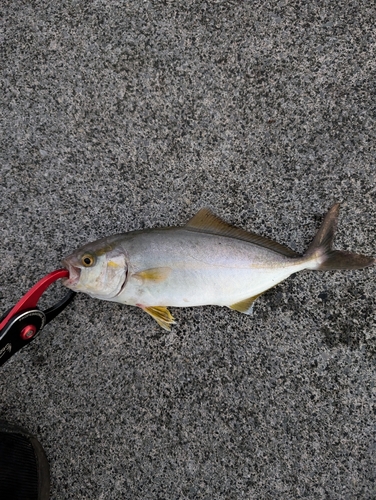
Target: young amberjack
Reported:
[(207, 261)]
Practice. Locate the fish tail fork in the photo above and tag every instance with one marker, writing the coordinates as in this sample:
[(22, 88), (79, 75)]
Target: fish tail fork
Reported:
[(321, 256)]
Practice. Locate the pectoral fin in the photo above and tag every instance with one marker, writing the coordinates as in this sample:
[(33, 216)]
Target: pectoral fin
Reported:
[(245, 306), (161, 315), (156, 274)]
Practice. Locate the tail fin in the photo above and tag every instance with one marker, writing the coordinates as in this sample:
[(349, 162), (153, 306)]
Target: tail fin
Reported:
[(321, 248)]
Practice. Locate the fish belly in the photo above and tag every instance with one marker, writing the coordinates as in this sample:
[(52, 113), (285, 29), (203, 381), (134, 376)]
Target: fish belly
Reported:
[(203, 269)]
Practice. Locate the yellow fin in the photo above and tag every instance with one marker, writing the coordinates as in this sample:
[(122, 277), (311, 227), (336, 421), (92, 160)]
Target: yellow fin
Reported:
[(245, 306), (161, 315), (157, 274), (207, 222)]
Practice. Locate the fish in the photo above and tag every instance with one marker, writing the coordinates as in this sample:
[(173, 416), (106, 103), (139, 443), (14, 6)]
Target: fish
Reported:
[(205, 262)]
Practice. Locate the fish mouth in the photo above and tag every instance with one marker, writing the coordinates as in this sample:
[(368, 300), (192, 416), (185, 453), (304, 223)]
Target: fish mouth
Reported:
[(74, 274)]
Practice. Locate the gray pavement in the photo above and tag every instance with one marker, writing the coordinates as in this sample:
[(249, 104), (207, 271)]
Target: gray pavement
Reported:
[(124, 115)]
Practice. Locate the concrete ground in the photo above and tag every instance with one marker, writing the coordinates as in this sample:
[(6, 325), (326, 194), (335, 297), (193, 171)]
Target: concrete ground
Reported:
[(123, 115)]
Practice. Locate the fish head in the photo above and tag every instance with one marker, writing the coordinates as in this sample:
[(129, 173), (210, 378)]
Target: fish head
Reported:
[(99, 269)]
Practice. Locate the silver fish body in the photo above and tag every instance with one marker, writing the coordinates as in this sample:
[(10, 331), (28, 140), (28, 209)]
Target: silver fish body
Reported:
[(197, 269), (205, 262)]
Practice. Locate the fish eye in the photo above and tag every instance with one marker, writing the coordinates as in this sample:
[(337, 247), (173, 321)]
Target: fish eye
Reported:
[(87, 260)]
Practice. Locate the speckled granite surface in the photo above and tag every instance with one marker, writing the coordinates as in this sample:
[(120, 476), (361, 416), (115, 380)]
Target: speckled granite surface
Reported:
[(123, 115)]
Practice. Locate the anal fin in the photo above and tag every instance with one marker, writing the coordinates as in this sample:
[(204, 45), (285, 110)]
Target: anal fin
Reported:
[(245, 306), (161, 315)]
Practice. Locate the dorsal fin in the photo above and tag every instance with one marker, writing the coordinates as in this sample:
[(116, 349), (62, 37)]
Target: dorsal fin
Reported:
[(207, 222)]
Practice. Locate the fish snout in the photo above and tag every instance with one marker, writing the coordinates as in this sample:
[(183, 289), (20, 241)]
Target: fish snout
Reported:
[(74, 274)]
